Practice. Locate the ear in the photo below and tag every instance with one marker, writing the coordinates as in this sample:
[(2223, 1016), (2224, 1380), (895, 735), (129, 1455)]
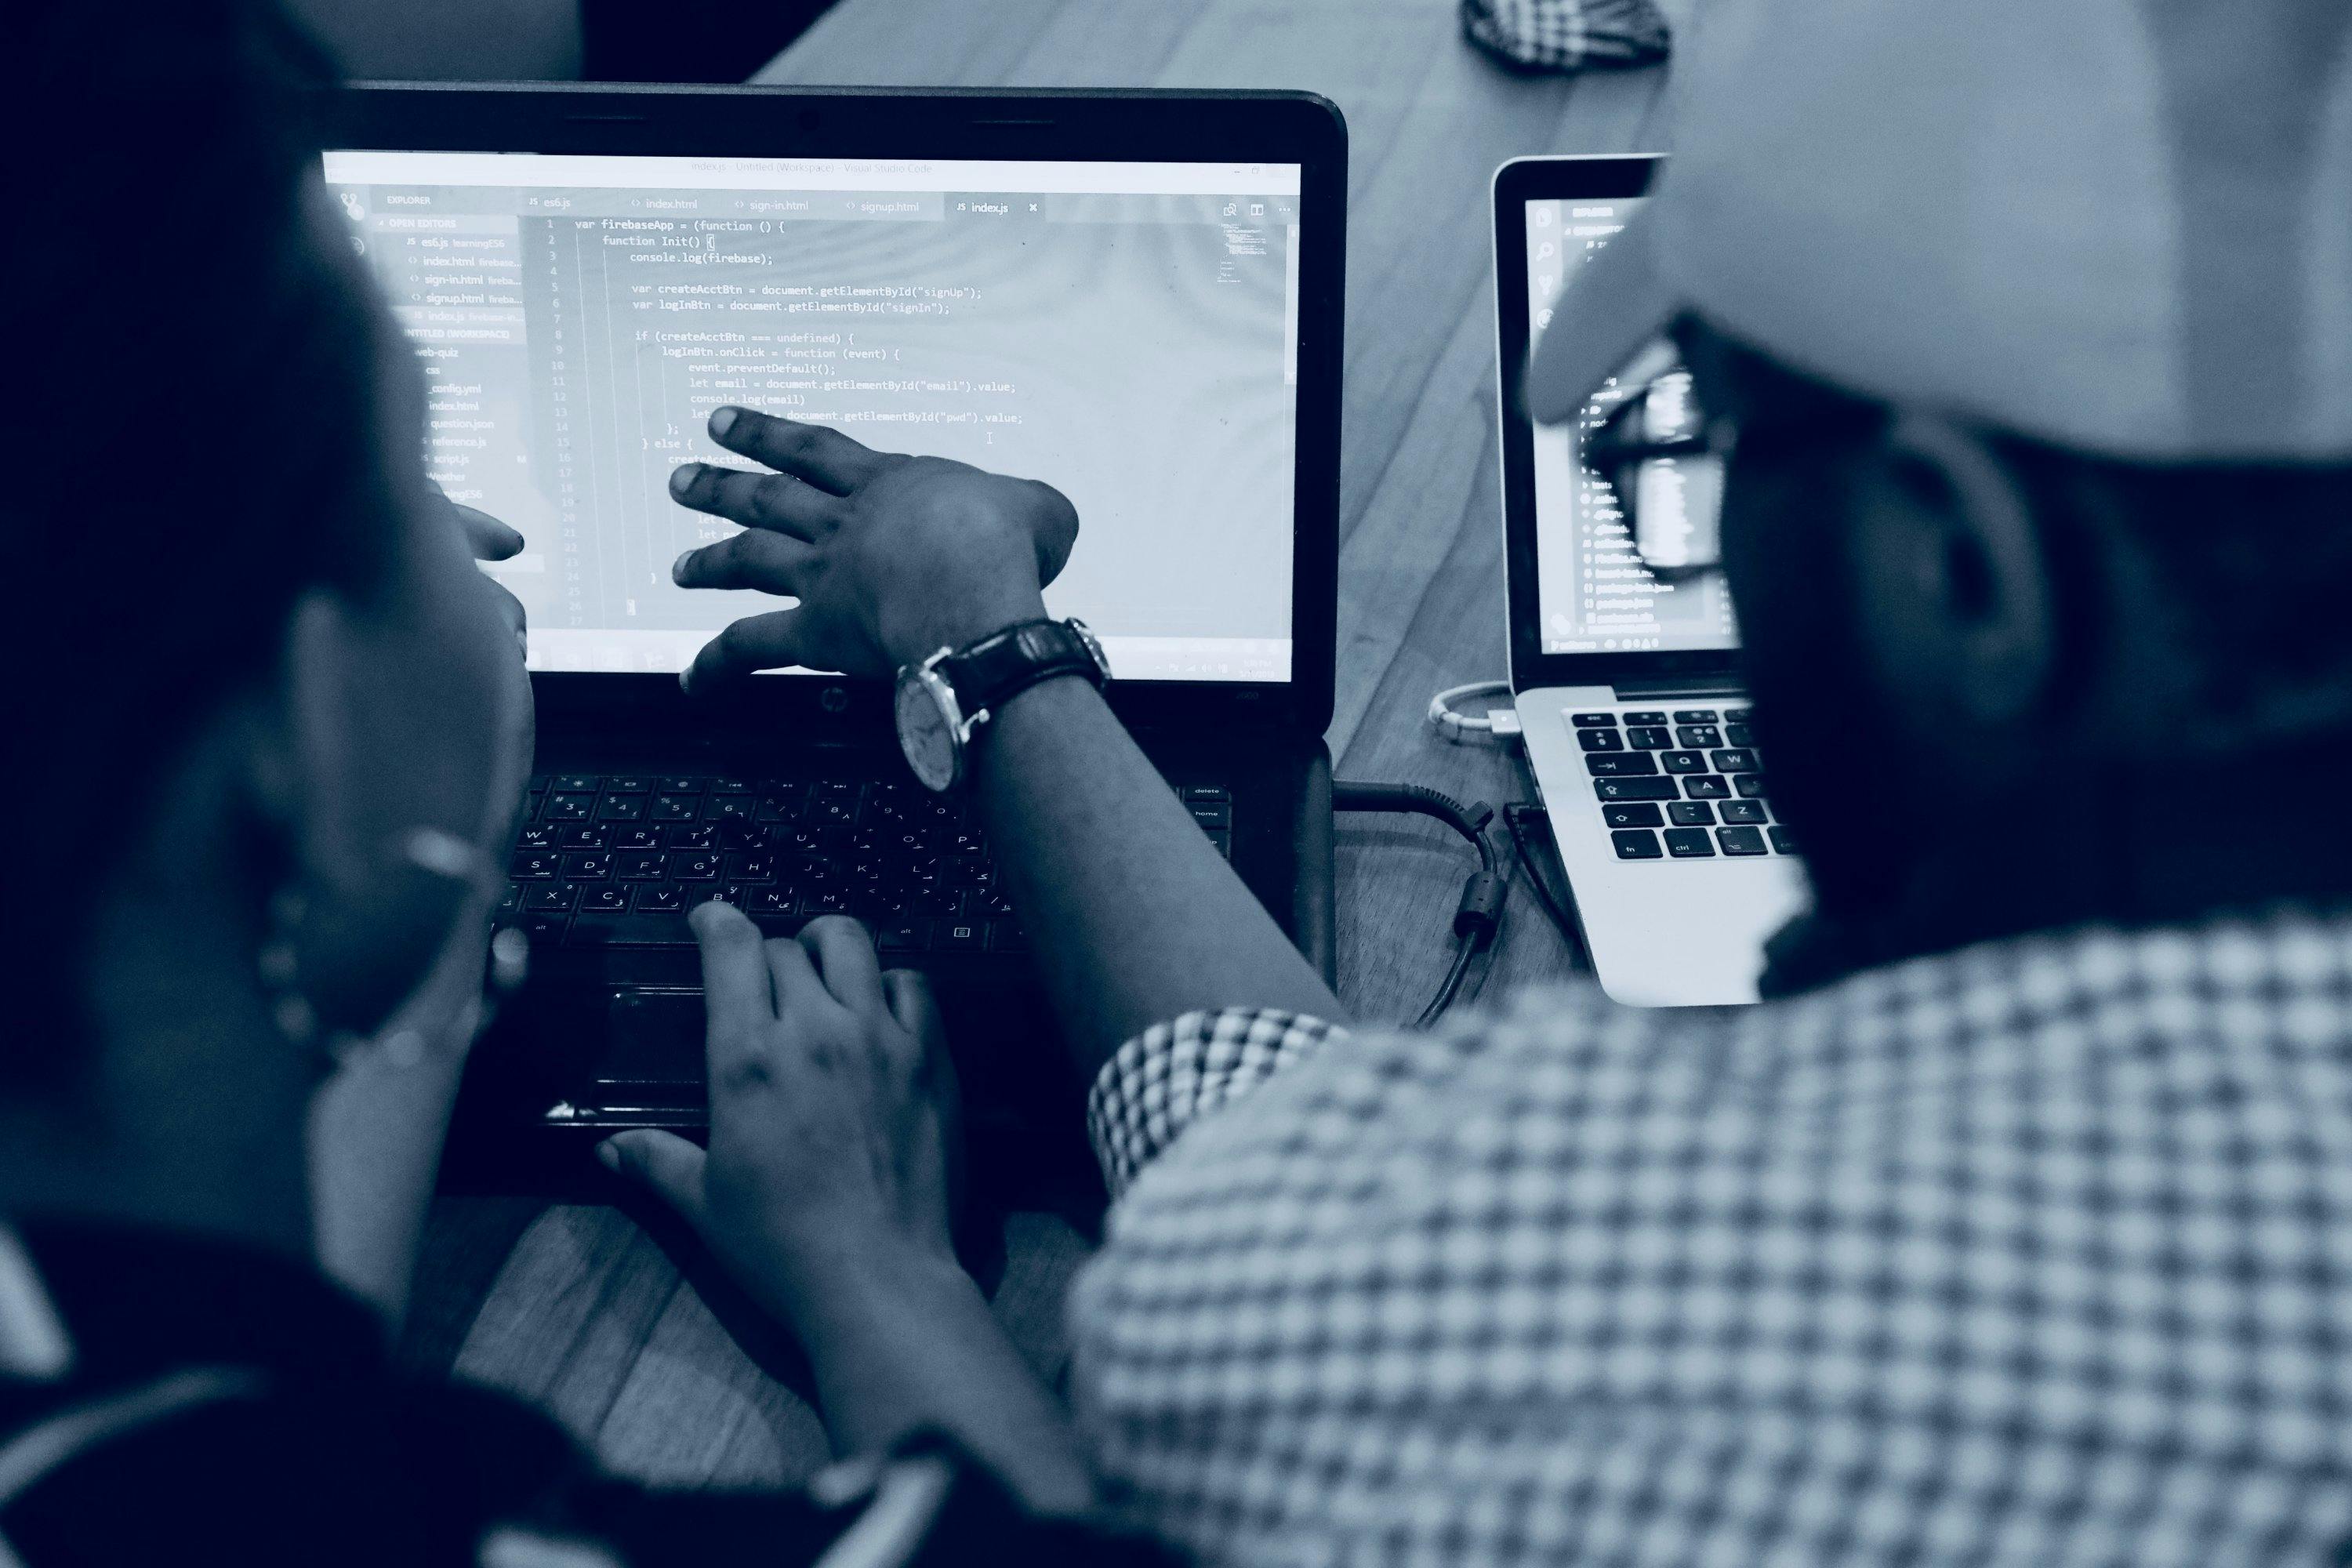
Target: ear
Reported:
[(303, 776), (1952, 583), (370, 925)]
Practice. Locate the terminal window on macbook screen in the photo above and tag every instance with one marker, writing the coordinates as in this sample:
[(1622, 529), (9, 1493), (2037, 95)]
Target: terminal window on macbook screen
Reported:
[(1126, 332), (1591, 590)]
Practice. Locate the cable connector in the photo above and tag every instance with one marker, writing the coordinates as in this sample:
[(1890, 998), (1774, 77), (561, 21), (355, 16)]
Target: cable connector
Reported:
[(1481, 908), (1460, 727)]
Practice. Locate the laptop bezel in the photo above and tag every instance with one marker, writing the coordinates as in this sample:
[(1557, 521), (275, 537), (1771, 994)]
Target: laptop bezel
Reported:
[(882, 122), (1522, 180)]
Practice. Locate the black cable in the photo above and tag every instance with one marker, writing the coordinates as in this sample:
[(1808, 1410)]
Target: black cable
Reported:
[(1515, 822), (1517, 819), (1480, 911)]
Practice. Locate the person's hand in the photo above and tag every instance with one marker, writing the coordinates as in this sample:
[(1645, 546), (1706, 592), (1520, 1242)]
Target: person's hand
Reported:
[(832, 1107), (891, 557)]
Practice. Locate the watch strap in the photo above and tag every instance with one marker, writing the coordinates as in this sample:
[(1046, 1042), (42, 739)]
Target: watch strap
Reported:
[(992, 672)]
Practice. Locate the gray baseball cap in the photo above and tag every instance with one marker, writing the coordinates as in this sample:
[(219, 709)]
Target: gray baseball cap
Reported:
[(2122, 226)]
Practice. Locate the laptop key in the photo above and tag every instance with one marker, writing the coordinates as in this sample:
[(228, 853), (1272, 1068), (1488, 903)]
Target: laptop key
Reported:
[(679, 783), (1694, 716), (1749, 785), (1620, 764), (585, 836), (546, 930), (674, 807), (627, 783), (1208, 791), (1735, 760), (569, 809), (573, 784), (1692, 813), (1688, 844), (1634, 789), (1743, 813), (910, 934), (1706, 787), (595, 929), (1682, 762), (1737, 715), (1639, 844), (958, 936), (1005, 935), (1739, 734), (623, 809), (623, 839), (1740, 840), (604, 898), (660, 898), (727, 808), (594, 867), (693, 836), (1649, 737), (549, 897), (540, 836), (694, 867), (1638, 815), (1593, 721), (1781, 841), (1698, 737), (1601, 740), (535, 866), (641, 866), (1650, 716)]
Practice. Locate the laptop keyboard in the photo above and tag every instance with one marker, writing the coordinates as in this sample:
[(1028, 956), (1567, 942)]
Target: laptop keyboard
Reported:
[(616, 859), (1685, 784)]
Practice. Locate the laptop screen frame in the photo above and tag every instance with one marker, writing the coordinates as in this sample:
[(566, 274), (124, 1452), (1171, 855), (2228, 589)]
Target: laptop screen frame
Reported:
[(1523, 180), (1142, 126)]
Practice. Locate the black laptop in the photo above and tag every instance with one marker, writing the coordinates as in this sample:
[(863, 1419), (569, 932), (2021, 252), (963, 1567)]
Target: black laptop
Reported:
[(1135, 296)]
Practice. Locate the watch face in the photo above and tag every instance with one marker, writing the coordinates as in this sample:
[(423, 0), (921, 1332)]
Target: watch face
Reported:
[(926, 731)]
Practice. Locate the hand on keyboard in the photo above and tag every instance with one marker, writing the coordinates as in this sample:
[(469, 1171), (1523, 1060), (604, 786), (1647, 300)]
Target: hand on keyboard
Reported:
[(832, 1115), (891, 557)]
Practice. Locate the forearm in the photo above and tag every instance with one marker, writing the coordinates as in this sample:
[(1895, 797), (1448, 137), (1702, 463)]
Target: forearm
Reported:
[(1133, 915), (900, 1342)]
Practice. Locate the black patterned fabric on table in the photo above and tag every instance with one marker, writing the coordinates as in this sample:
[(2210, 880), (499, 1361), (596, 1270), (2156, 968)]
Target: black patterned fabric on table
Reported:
[(1566, 34)]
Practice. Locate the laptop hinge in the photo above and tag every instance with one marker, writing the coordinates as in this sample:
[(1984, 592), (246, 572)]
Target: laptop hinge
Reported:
[(1680, 686)]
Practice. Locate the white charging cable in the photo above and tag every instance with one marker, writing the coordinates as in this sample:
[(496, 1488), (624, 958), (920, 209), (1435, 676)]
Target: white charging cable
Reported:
[(1497, 723)]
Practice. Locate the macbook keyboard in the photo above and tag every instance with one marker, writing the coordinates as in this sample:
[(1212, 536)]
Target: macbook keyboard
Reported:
[(617, 859), (1680, 785)]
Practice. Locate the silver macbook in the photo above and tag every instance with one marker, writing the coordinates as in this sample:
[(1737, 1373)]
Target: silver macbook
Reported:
[(1626, 680)]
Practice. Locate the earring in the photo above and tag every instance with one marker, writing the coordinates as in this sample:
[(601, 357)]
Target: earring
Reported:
[(437, 854)]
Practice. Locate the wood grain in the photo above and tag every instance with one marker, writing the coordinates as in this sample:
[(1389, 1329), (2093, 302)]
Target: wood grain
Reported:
[(590, 1314)]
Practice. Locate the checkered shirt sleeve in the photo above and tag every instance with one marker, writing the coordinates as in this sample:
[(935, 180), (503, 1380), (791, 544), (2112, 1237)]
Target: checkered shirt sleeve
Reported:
[(1164, 1080), (1567, 35), (2036, 1253)]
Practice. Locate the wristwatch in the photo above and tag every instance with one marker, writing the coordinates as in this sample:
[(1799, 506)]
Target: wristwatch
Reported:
[(943, 700)]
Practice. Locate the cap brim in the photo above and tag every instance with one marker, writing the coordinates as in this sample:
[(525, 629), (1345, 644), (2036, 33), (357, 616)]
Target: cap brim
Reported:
[(1612, 306)]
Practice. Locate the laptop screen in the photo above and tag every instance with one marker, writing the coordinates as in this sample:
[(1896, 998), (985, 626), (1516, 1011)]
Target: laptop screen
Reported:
[(1126, 332), (1593, 592)]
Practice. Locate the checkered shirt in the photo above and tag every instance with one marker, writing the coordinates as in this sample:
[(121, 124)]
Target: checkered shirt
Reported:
[(2040, 1253), (1567, 35)]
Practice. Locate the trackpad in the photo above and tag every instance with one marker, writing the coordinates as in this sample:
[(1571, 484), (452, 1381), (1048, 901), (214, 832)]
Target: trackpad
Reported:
[(653, 1036)]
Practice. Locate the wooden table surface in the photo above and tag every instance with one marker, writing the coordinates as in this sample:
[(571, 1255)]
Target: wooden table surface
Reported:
[(578, 1308)]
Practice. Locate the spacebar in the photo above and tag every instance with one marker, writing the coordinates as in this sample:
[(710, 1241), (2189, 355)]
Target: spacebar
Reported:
[(630, 931)]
